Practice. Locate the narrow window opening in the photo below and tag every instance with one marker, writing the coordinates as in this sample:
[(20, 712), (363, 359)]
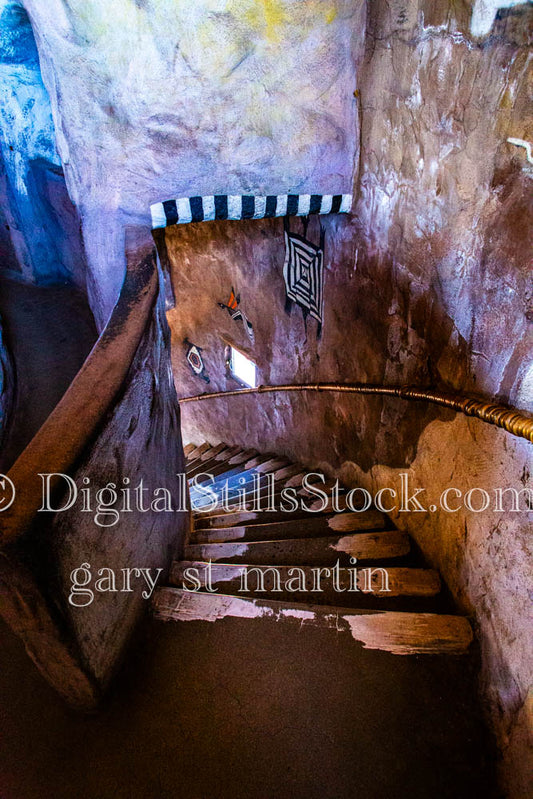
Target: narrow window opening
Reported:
[(241, 367)]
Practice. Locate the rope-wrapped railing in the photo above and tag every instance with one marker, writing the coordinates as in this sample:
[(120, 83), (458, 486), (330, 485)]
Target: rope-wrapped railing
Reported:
[(516, 423)]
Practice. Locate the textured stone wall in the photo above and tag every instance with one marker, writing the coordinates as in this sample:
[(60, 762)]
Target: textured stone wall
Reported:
[(39, 227), (485, 559), (140, 440), (444, 202), (445, 213)]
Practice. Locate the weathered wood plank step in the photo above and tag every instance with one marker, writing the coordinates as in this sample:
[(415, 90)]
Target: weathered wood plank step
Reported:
[(312, 477), (255, 518), (342, 502), (310, 526), (246, 455), (195, 453), (226, 454), (230, 478), (265, 490), (271, 470), (260, 459), (221, 463), (206, 458), (209, 452), (238, 466), (266, 498), (272, 465), (306, 551), (188, 448), (303, 583), (232, 482), (286, 472), (391, 631), (225, 461), (195, 465), (247, 478)]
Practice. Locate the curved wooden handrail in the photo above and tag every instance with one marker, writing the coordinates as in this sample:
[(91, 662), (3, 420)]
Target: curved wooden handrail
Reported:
[(74, 421), (499, 415)]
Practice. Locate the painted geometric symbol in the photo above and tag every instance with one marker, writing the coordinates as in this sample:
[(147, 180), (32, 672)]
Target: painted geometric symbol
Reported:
[(195, 360), (243, 206), (304, 274), (237, 314)]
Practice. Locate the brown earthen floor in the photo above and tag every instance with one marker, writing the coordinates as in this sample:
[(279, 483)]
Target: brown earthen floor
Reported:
[(248, 709)]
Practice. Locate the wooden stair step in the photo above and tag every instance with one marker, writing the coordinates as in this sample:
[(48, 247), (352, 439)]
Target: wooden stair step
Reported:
[(230, 452), (382, 583), (307, 551), (272, 465), (251, 497), (199, 450), (238, 466), (264, 470), (188, 448), (219, 478), (205, 460), (313, 477), (201, 467), (251, 517), (216, 466), (292, 528), (219, 464), (265, 457), (286, 472), (266, 499), (213, 451), (231, 458), (232, 483), (396, 632), (243, 456)]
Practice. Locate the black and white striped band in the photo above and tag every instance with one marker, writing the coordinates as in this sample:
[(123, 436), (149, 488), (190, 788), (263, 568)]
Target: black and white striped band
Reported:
[(243, 206)]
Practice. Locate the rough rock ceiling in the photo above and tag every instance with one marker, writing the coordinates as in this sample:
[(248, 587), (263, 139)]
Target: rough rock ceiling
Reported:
[(162, 98)]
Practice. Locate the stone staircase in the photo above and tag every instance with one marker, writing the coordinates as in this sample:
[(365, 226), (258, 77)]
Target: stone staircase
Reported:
[(329, 567)]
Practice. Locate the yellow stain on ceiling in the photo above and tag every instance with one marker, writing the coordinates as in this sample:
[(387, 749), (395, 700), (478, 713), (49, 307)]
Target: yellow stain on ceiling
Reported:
[(267, 16)]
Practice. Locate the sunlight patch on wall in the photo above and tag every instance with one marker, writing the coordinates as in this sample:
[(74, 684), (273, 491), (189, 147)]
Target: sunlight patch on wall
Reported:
[(242, 368), (485, 11)]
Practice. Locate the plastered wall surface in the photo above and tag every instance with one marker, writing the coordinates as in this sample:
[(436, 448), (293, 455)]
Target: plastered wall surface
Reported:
[(39, 228)]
